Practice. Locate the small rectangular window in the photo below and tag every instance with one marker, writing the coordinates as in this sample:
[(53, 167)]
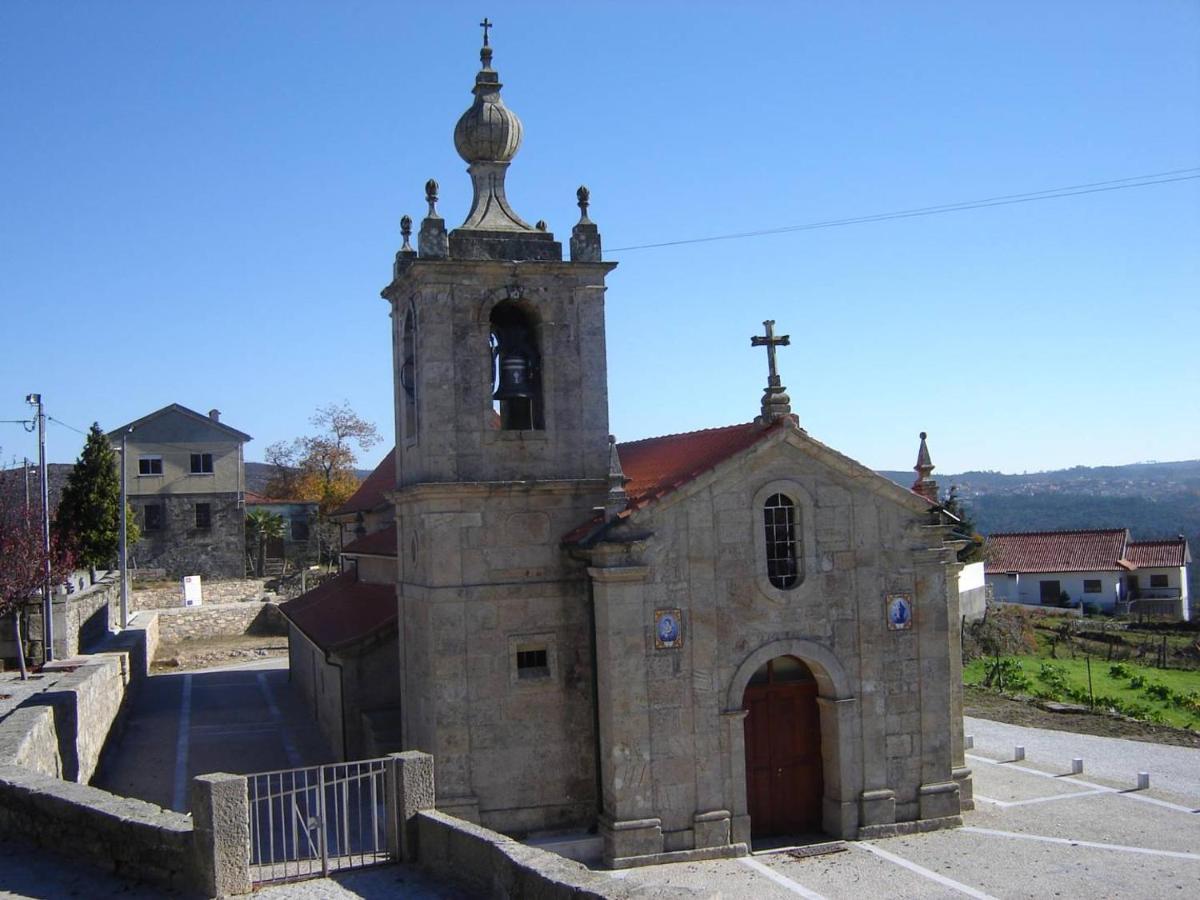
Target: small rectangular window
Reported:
[(1091, 585), (149, 465), (299, 529), (533, 663), (1158, 581), (202, 464), (204, 515), (152, 518)]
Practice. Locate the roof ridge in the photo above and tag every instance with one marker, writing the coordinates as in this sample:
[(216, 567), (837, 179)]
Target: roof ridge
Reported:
[(1058, 531), (659, 437)]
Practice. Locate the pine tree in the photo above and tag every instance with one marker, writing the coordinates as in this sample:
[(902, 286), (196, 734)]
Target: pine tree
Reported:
[(89, 513)]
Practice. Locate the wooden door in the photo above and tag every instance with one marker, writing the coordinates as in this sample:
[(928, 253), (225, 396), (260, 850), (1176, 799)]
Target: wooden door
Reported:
[(784, 779)]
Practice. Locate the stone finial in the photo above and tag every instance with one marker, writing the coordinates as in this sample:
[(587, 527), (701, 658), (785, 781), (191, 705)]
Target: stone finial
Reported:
[(775, 402), (925, 485), (616, 500), (541, 225), (585, 236), (433, 242), (584, 196), (406, 233)]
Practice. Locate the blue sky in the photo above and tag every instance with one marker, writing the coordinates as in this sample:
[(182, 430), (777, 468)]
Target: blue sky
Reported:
[(199, 203)]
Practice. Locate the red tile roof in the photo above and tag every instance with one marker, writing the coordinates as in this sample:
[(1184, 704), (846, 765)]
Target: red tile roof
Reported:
[(379, 543), (371, 494), (1169, 553), (654, 467), (1057, 551), (342, 611), (255, 499)]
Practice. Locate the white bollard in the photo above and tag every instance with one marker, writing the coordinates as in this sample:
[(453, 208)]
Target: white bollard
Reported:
[(1018, 753), (1143, 781), (969, 742), (1077, 765)]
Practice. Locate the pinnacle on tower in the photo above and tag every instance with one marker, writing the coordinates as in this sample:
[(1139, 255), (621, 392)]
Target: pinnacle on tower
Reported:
[(925, 485)]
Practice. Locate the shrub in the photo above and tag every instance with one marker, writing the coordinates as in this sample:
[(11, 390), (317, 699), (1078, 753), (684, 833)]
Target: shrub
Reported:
[(1137, 682), (1091, 609), (1054, 677), (1006, 674), (1158, 692), (1119, 670)]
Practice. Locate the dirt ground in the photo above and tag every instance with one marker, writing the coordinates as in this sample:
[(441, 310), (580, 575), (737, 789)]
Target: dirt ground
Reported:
[(988, 705), (217, 651)]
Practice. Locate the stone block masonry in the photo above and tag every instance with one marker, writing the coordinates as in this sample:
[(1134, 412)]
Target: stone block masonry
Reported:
[(226, 620), (217, 591)]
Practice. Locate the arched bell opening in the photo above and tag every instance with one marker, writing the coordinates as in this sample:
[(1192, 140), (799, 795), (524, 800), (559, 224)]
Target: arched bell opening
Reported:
[(516, 369), (784, 769)]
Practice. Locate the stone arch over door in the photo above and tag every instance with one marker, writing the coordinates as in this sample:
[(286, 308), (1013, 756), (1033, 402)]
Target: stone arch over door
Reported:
[(841, 736)]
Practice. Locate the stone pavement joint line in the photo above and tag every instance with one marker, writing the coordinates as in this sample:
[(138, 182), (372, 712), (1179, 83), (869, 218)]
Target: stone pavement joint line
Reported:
[(1098, 788), (1004, 804), (1070, 842), (179, 798), (781, 880), (294, 758), (927, 873)]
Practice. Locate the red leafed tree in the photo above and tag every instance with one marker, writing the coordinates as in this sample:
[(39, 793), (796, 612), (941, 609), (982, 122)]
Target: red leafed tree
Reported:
[(23, 562)]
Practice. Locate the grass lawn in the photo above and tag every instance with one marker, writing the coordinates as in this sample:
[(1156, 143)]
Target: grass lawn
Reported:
[(1166, 696)]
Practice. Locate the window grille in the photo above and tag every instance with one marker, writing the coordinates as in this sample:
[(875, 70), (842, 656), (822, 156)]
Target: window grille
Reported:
[(779, 517), (204, 515), (533, 663)]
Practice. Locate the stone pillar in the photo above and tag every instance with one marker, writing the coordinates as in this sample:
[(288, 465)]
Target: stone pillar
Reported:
[(221, 833), (941, 717), (628, 824), (841, 763), (733, 724), (410, 789)]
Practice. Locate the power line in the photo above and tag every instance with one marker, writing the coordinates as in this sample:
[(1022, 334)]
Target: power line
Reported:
[(1074, 190), (59, 421)]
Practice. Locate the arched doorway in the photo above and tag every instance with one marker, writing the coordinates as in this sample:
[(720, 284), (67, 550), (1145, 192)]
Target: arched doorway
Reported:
[(784, 778)]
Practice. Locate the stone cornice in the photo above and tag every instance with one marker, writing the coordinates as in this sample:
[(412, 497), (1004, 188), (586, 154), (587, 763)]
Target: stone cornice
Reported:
[(438, 490)]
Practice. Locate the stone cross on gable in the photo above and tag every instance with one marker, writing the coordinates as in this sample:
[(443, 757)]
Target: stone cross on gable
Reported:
[(485, 25), (770, 341)]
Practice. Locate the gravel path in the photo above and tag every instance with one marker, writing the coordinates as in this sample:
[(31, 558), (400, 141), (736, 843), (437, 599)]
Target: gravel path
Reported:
[(1173, 770)]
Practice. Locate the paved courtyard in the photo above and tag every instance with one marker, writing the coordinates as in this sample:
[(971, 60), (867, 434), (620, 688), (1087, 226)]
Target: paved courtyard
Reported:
[(238, 719), (1036, 832)]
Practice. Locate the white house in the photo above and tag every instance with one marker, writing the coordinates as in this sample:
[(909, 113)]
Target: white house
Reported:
[(1101, 566)]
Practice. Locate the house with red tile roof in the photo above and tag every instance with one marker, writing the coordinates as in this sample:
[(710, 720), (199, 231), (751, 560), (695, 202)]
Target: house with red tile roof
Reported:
[(1104, 567), (681, 645)]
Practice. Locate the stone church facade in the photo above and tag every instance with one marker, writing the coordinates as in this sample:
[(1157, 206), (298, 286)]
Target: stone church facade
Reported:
[(687, 642)]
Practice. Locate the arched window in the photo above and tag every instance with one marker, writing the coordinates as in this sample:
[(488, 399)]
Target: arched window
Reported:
[(516, 369), (408, 375), (779, 522)]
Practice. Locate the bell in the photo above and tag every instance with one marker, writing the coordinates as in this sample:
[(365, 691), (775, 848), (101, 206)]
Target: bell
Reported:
[(514, 378)]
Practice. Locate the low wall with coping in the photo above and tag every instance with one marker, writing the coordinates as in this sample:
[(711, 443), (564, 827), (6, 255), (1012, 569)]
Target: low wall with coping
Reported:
[(224, 620), (130, 838), (214, 593), (54, 739)]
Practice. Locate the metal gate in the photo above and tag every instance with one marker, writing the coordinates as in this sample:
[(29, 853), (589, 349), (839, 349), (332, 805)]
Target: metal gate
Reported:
[(306, 823)]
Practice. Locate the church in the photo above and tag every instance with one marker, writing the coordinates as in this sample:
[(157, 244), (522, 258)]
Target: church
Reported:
[(684, 644)]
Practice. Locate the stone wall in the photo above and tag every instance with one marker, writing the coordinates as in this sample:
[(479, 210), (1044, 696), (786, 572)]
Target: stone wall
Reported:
[(28, 738), (130, 838), (226, 620), (215, 592), (181, 548), (80, 620)]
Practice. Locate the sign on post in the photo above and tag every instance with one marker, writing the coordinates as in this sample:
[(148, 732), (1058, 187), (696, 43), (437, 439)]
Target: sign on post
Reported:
[(192, 592)]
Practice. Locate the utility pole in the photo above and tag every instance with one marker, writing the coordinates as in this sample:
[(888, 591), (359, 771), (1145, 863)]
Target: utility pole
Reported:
[(26, 484), (35, 400), (124, 548)]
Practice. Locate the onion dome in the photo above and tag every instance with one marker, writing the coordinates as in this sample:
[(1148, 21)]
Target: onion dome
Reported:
[(489, 131)]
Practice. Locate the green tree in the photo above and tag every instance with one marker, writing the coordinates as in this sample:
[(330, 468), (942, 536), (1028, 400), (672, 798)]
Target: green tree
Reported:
[(263, 526), (89, 513), (965, 529)]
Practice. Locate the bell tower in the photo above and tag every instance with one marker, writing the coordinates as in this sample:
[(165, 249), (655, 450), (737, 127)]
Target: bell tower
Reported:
[(502, 446)]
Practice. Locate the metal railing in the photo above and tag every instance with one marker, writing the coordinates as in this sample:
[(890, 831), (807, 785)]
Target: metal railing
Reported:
[(306, 823)]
